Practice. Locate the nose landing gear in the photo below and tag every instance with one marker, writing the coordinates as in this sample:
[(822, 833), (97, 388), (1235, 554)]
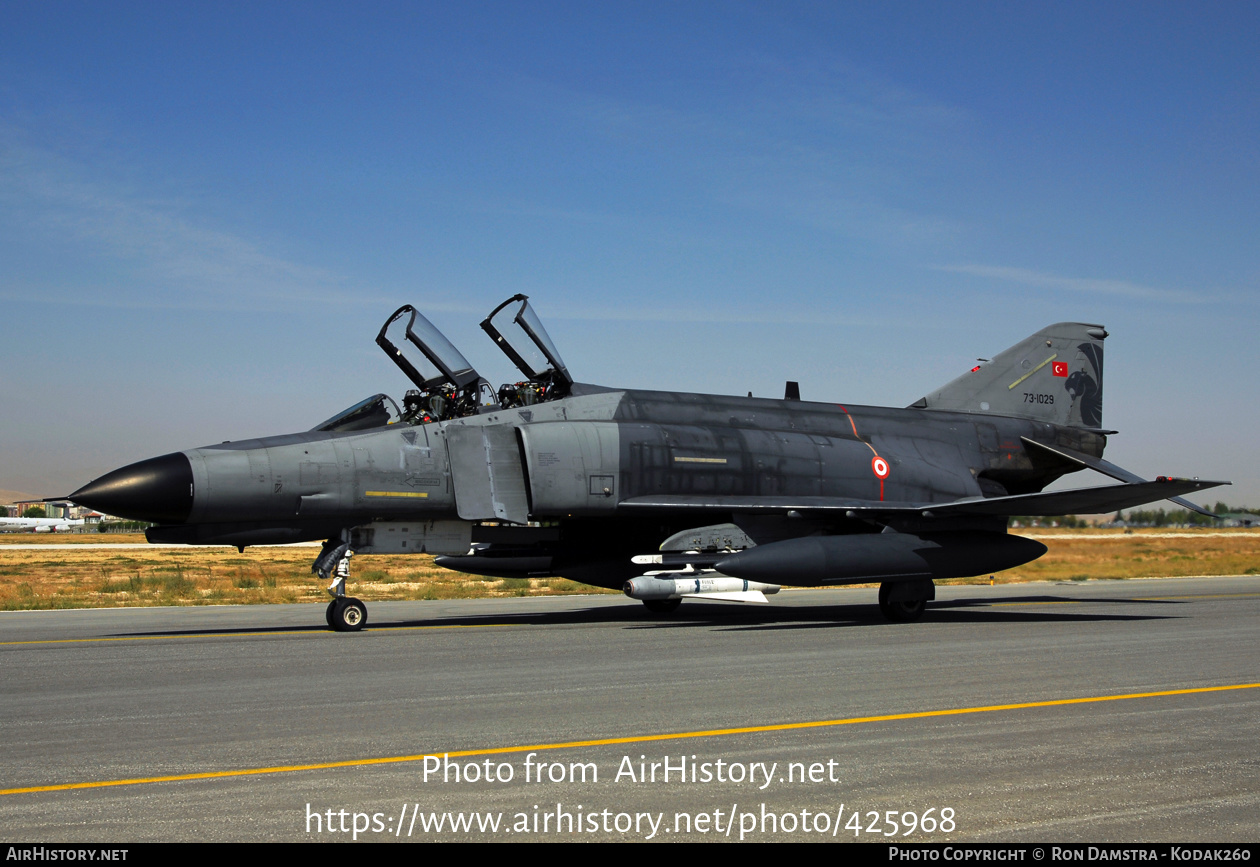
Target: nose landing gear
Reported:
[(344, 613)]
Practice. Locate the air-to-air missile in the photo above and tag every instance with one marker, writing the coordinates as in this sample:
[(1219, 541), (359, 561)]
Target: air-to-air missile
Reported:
[(724, 497)]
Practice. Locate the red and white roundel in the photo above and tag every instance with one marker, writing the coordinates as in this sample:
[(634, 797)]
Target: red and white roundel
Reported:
[(880, 467)]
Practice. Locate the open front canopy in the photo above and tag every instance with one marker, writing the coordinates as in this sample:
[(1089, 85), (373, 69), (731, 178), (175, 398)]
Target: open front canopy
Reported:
[(439, 362)]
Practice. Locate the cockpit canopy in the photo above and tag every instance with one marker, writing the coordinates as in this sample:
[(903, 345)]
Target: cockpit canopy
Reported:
[(439, 362), (520, 334), (447, 386)]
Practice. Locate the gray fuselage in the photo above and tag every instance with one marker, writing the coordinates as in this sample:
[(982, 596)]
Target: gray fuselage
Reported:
[(585, 455)]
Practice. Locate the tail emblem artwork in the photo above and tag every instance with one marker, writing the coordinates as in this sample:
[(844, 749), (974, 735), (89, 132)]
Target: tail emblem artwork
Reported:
[(663, 495)]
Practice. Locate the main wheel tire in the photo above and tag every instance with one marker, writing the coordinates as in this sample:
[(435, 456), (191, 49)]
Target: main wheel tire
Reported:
[(907, 612), (900, 612), (348, 614), (662, 606), (328, 613)]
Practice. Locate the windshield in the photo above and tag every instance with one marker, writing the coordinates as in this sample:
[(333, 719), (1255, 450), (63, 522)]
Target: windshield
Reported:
[(376, 411)]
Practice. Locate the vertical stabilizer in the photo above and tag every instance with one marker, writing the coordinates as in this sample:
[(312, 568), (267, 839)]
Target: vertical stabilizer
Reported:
[(1053, 376)]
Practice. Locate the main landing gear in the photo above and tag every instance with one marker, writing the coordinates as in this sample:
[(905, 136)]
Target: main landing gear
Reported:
[(905, 601), (662, 606), (344, 613)]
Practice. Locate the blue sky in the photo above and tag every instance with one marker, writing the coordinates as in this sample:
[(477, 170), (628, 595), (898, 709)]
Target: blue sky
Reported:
[(207, 210)]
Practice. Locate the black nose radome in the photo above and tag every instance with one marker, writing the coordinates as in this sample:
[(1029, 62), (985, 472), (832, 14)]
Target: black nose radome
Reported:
[(159, 490)]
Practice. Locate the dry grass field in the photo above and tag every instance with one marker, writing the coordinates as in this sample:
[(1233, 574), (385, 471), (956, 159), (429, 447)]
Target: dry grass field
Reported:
[(95, 577), (1078, 555), (101, 577)]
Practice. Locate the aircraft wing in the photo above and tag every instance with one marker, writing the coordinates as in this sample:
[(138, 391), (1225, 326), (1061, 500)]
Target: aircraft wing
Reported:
[(1045, 504)]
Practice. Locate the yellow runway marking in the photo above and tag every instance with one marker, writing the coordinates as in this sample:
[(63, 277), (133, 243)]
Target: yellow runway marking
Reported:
[(1134, 599), (1055, 602), (633, 739), (155, 637), (252, 634), (1198, 596)]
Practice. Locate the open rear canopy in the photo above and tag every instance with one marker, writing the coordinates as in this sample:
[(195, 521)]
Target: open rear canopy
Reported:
[(517, 330)]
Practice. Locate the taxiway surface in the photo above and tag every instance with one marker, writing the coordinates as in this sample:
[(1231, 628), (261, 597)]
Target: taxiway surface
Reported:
[(131, 695)]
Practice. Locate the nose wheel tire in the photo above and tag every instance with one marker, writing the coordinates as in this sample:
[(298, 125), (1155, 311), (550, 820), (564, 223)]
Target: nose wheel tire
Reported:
[(347, 614)]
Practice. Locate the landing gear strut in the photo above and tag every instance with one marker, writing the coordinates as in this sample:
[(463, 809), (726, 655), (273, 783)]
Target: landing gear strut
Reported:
[(344, 613), (905, 601)]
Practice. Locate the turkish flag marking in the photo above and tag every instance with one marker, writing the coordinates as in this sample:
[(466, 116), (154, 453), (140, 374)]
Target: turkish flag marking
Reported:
[(1060, 368)]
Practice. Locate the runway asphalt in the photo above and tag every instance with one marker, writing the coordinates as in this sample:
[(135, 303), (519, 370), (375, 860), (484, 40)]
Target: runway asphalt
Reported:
[(1110, 711)]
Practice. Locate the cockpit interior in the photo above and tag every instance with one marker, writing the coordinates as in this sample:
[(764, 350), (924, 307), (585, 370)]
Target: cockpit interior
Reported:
[(447, 385)]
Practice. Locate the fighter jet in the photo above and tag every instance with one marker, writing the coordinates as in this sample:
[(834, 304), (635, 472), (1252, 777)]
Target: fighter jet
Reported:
[(665, 495)]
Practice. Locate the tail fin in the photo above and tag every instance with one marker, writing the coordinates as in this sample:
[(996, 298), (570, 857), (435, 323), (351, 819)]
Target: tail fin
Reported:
[(1053, 376)]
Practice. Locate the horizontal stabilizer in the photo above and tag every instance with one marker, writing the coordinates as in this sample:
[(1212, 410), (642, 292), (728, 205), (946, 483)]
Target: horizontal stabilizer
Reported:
[(1107, 468), (1044, 504), (1079, 500)]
